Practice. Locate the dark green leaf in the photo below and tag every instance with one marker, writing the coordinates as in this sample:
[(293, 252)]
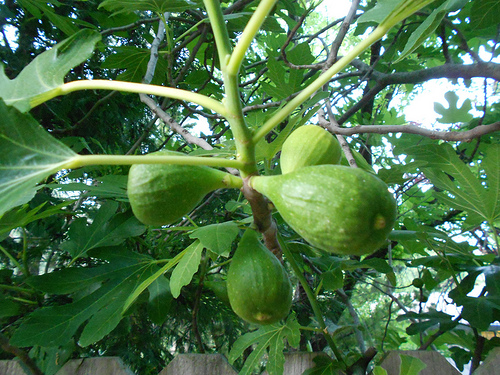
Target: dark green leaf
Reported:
[(160, 300), (157, 6), (29, 154), (106, 229)]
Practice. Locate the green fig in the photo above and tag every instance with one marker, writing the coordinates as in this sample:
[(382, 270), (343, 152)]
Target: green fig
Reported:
[(258, 286), (161, 194), (338, 209), (309, 145)]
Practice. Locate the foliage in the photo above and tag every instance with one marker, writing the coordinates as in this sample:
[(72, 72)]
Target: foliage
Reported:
[(225, 84)]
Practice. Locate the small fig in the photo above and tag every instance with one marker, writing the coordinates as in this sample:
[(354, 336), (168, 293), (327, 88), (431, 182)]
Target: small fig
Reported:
[(309, 145), (257, 283), (161, 194), (338, 209)]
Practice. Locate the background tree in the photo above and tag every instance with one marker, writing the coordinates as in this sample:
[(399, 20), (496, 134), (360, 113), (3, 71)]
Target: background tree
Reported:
[(81, 276)]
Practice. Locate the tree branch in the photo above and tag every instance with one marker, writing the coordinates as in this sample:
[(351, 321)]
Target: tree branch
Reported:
[(453, 136)]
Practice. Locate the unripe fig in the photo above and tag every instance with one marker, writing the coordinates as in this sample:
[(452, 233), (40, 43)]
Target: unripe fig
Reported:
[(309, 145), (338, 209), (257, 283), (161, 194)]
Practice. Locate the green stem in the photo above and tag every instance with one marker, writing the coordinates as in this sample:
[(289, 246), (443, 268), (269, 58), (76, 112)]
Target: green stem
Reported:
[(220, 32), (403, 11), (317, 84), (251, 29), (312, 300), (12, 259), (16, 289), (233, 110), (84, 160), (138, 88)]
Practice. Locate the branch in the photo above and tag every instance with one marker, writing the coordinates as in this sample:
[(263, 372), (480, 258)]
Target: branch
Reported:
[(450, 71), (458, 136), (342, 33), (262, 217), (165, 117)]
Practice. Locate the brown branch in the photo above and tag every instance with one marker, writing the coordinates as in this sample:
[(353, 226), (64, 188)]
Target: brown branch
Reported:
[(450, 71), (334, 50), (458, 136), (262, 217), (165, 117), (19, 353)]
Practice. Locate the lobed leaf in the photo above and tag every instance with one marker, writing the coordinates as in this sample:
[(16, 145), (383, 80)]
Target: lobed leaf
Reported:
[(47, 71)]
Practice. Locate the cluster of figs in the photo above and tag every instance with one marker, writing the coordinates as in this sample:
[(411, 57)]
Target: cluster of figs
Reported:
[(336, 208)]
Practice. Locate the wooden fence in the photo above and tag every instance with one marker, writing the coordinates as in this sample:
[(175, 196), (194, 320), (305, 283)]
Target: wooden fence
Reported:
[(216, 364)]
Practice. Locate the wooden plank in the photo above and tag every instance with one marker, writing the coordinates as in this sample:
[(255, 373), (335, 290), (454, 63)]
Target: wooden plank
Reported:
[(298, 362), (491, 364), (196, 364), (11, 367), (95, 366), (436, 363)]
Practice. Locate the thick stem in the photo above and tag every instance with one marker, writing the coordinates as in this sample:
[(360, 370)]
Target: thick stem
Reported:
[(251, 29), (262, 217)]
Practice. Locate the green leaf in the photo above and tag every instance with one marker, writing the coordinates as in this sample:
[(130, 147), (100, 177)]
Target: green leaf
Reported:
[(29, 154), (425, 29), (8, 307), (466, 192), (65, 24), (333, 279), (133, 63), (380, 11), (106, 319), (22, 216), (411, 365), (484, 13), (106, 229), (217, 237), (160, 300), (47, 71), (379, 371), (157, 6), (109, 186), (269, 336), (55, 326), (453, 114), (186, 268)]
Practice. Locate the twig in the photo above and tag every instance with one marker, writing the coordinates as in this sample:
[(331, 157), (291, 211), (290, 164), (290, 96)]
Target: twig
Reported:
[(459, 136)]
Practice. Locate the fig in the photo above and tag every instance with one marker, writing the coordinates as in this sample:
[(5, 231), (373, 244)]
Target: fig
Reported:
[(338, 209), (161, 194), (309, 145), (258, 286)]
